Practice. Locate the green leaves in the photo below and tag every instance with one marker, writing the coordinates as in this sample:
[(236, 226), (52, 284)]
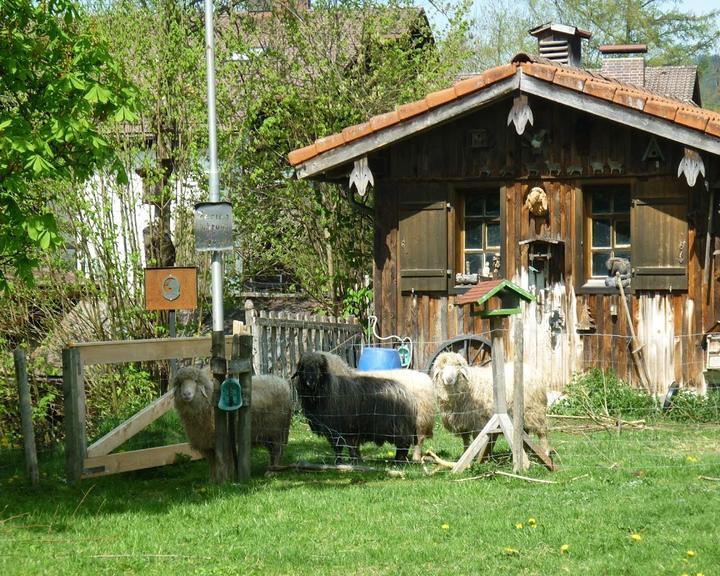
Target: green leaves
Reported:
[(59, 84)]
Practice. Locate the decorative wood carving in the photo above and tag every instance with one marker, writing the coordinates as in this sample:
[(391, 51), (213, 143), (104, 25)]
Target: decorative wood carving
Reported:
[(616, 166), (691, 165), (553, 168), (536, 202), (585, 322), (361, 176), (520, 113), (598, 167), (574, 170)]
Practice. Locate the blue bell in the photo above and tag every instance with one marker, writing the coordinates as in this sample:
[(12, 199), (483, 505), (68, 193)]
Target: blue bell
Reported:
[(230, 395)]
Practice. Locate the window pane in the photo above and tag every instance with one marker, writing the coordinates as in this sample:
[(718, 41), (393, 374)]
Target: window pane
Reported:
[(492, 205), (599, 266), (474, 205), (473, 262), (622, 232), (473, 234), (493, 235), (601, 202), (622, 201), (601, 230)]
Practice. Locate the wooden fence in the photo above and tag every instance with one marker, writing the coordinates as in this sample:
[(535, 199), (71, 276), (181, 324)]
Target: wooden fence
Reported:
[(280, 338), (83, 461)]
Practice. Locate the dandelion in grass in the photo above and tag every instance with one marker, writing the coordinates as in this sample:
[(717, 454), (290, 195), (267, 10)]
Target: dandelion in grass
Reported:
[(532, 522), (565, 549), (511, 551), (691, 553), (445, 526), (691, 459), (635, 537), (390, 454), (519, 525)]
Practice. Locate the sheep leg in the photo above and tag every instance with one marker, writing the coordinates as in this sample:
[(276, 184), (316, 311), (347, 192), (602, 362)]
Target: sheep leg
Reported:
[(354, 451), (401, 453), (417, 451), (275, 450)]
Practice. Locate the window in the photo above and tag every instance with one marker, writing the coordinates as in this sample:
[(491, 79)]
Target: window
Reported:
[(645, 222), (480, 233), (609, 227)]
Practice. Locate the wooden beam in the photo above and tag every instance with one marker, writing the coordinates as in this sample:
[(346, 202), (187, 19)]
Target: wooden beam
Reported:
[(450, 111), (120, 351), (136, 460), (620, 114), (132, 426)]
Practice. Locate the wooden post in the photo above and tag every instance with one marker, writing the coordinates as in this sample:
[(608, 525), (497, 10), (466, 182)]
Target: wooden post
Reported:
[(520, 458), (708, 239), (250, 315), (31, 461), (241, 368), (221, 469), (74, 391), (172, 332)]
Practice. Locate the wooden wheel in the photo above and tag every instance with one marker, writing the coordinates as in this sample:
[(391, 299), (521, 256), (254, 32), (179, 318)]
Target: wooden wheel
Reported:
[(476, 350)]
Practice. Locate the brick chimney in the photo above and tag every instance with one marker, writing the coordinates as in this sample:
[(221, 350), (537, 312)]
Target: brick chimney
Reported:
[(617, 63), (560, 43)]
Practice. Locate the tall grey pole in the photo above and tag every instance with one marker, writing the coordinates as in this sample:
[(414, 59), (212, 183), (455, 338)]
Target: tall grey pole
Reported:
[(222, 466), (214, 187)]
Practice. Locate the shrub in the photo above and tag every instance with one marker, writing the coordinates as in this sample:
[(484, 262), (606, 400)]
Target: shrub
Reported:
[(598, 393), (693, 408)]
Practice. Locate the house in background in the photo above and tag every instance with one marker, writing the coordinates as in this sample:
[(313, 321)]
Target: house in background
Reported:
[(553, 177)]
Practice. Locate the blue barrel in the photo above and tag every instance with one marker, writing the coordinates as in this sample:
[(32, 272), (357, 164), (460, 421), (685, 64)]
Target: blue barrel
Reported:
[(379, 359)]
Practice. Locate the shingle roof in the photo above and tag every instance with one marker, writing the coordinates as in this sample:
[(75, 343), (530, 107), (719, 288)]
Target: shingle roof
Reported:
[(674, 81), (585, 82)]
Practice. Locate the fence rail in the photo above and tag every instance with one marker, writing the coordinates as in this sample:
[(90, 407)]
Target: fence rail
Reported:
[(280, 338)]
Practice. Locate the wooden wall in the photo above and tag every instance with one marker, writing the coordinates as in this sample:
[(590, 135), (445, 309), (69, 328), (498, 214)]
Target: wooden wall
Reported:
[(669, 324)]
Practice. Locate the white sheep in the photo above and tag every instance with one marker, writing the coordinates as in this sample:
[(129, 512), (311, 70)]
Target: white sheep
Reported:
[(270, 410), (465, 397), (418, 384)]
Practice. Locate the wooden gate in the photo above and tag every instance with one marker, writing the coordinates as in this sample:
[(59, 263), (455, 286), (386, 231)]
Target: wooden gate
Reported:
[(84, 461)]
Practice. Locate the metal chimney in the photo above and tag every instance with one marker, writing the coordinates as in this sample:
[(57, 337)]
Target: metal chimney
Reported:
[(560, 43)]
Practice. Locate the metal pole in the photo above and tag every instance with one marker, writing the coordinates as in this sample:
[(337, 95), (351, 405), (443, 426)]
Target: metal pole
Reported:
[(223, 450), (214, 187)]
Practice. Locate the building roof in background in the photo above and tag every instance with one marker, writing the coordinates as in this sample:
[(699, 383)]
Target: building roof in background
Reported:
[(674, 81), (645, 109)]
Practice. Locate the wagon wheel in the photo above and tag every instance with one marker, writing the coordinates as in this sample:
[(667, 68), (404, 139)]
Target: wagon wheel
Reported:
[(476, 350)]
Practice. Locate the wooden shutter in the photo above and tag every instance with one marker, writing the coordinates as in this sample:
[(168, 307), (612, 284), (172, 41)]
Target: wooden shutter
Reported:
[(659, 243), (423, 241)]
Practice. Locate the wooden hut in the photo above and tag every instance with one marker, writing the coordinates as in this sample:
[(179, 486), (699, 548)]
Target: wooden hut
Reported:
[(556, 178)]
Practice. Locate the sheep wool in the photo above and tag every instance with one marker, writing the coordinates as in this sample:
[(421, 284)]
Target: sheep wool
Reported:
[(465, 397), (349, 408), (270, 411)]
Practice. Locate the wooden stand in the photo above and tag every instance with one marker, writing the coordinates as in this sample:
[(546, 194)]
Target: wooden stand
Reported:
[(500, 422), (496, 299)]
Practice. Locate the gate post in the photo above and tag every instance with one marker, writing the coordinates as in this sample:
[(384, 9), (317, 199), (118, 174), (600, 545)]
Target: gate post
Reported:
[(74, 392)]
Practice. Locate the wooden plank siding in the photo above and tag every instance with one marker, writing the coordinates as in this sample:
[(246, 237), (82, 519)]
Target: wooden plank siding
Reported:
[(670, 323)]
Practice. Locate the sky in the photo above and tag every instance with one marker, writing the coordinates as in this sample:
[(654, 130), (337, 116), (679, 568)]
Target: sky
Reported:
[(694, 6)]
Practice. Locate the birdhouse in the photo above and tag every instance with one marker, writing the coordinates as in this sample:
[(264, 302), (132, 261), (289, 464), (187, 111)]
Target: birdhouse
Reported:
[(495, 298)]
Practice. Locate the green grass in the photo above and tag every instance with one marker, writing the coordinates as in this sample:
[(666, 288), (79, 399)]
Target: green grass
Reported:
[(172, 520)]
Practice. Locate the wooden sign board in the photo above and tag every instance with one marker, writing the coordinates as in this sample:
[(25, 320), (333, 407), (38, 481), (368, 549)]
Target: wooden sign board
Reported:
[(170, 288)]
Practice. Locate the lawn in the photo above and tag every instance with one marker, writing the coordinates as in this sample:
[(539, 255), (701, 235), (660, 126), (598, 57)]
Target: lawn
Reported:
[(638, 502)]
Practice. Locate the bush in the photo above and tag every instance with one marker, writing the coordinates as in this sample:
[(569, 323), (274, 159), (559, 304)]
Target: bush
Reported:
[(598, 393), (692, 408)]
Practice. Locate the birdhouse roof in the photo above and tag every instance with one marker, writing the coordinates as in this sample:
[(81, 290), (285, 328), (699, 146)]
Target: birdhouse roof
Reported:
[(483, 291)]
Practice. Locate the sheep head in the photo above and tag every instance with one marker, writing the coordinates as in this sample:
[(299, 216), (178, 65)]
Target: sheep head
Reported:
[(311, 371), (448, 368), (189, 382)]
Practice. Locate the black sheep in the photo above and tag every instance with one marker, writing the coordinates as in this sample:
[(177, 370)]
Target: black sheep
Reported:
[(351, 408)]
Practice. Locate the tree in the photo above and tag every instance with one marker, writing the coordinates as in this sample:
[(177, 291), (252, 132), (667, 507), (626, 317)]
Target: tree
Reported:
[(58, 84), (672, 36)]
